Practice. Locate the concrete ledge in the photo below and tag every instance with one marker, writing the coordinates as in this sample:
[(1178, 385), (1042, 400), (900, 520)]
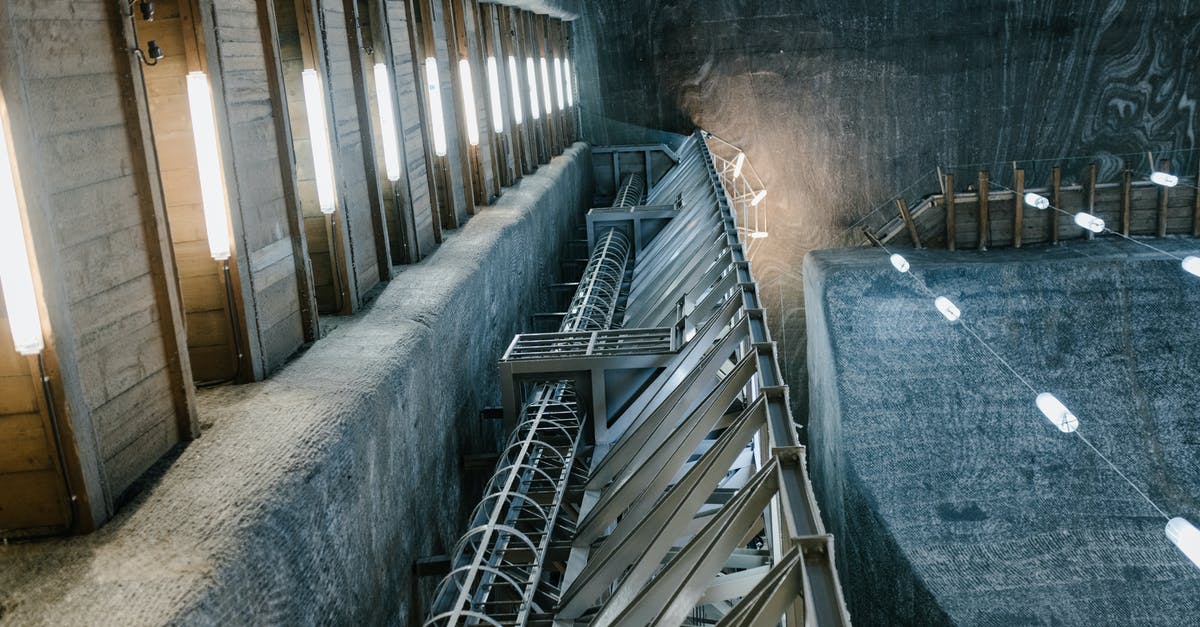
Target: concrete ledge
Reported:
[(954, 501), (309, 495)]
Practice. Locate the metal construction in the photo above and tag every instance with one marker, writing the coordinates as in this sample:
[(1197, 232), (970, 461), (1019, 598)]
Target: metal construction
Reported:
[(654, 474)]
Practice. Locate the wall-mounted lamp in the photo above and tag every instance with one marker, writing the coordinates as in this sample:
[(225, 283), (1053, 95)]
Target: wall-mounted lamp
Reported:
[(147, 9), (515, 81), (546, 87), (468, 95), (318, 139), (493, 71), (16, 277), (433, 88), (738, 163), (387, 122), (208, 161), (531, 74), (570, 83), (558, 83), (152, 54)]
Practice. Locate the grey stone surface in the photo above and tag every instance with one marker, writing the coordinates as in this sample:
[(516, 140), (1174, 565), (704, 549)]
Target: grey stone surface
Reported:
[(953, 500), (843, 105), (309, 495)]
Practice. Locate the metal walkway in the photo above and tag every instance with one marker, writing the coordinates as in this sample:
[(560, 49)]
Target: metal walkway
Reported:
[(654, 474)]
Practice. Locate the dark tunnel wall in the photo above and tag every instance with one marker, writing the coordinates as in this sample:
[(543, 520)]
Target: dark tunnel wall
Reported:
[(842, 105)]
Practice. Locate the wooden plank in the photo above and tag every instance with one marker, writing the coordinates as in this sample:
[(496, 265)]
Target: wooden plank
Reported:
[(1091, 196), (906, 215), (1018, 207), (1164, 165), (1055, 202), (984, 227), (951, 217), (1196, 205), (1126, 214)]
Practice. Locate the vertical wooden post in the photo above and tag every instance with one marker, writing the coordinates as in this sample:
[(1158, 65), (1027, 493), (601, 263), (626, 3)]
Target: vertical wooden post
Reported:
[(1091, 195), (1056, 202), (1018, 207), (951, 218), (906, 215), (1196, 207), (1164, 165), (445, 217), (1126, 198), (487, 46), (984, 189)]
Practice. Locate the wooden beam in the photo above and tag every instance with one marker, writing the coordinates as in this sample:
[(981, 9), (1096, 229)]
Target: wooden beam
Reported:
[(1056, 202), (1126, 197), (1164, 165), (951, 218), (1018, 207), (1091, 194), (906, 215), (1196, 207), (984, 189), (193, 48)]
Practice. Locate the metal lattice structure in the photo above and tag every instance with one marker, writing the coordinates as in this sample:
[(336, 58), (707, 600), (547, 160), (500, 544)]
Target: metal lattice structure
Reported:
[(655, 474)]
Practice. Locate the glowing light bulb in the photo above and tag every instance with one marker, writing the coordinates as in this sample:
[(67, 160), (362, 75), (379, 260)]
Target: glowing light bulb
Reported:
[(1164, 179), (1037, 201), (1089, 222), (16, 275), (387, 122), (1057, 413), (1184, 535), (899, 263), (531, 74), (558, 84), (546, 86), (436, 116), (738, 163), (468, 95), (494, 92), (1192, 264), (947, 308), (758, 197), (318, 139), (570, 82), (515, 82), (208, 162)]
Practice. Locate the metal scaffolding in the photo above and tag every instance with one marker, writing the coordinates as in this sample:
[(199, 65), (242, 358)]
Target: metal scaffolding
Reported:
[(655, 474)]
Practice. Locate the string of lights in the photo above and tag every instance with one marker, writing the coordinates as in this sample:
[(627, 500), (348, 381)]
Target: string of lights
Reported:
[(1182, 533)]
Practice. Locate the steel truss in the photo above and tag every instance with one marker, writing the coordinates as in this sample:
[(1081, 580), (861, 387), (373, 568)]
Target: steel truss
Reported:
[(677, 492)]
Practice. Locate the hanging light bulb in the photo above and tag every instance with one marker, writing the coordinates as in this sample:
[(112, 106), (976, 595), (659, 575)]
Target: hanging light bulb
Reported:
[(1057, 413), (1184, 535), (762, 193), (436, 116), (1089, 222), (496, 103), (546, 87), (558, 84), (1164, 179), (570, 82), (899, 263), (531, 74), (1037, 201), (947, 308), (738, 162), (318, 139), (468, 91), (515, 82), (16, 276), (387, 122), (1192, 264), (208, 163)]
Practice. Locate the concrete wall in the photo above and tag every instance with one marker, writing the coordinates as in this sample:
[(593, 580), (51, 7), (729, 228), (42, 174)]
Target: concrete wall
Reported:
[(311, 494), (954, 501)]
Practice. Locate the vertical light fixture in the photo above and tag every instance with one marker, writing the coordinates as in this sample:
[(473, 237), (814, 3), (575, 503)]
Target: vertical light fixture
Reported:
[(318, 139), (546, 87), (387, 122), (16, 276), (515, 82), (738, 163), (570, 83), (558, 83), (432, 87), (208, 163), (468, 95), (762, 193), (531, 74), (493, 71)]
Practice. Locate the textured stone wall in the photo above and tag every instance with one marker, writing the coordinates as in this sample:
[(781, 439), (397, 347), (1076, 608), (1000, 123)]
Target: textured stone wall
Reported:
[(954, 501)]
